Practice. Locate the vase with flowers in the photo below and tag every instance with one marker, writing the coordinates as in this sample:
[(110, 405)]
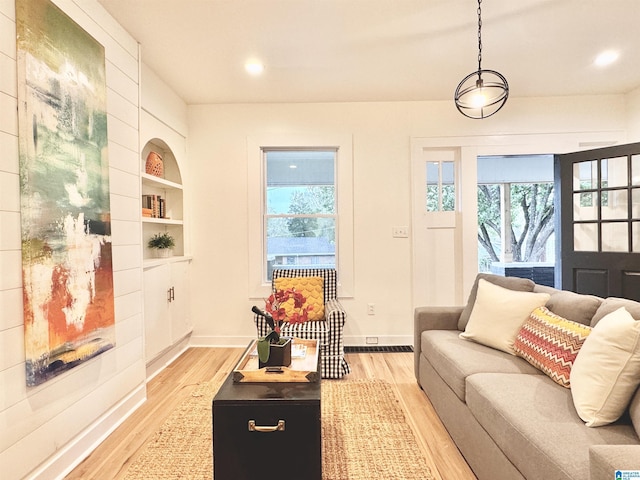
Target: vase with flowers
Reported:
[(273, 349)]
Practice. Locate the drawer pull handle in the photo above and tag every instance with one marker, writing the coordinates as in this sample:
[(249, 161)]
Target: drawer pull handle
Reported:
[(257, 428)]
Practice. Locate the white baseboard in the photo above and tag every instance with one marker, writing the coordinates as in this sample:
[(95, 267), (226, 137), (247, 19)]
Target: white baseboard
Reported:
[(167, 356), (349, 340), (73, 453)]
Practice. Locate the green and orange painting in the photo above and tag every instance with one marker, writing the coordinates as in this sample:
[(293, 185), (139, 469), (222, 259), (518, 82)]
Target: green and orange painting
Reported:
[(64, 187)]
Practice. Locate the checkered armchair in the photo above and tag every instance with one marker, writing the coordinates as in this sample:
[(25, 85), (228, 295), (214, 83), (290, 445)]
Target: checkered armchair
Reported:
[(328, 332)]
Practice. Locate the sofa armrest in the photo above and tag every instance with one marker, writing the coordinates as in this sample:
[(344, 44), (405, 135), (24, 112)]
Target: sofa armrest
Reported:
[(605, 460), (432, 318), (436, 318)]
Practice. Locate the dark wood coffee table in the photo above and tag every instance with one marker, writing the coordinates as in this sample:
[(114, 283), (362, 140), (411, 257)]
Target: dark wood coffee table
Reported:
[(267, 430)]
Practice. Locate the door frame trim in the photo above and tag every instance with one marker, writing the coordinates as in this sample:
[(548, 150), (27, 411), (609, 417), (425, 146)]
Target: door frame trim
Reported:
[(470, 147)]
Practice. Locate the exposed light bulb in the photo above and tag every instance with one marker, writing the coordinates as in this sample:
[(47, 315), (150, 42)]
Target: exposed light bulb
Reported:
[(478, 99)]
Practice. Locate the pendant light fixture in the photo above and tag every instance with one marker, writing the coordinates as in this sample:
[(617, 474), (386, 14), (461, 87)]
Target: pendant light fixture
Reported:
[(481, 94)]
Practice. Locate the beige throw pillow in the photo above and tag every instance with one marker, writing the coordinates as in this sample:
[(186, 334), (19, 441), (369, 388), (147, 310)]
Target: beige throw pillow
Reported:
[(606, 371), (498, 313), (512, 283)]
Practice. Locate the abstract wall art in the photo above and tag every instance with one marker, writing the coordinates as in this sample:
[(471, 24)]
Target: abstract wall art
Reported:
[(64, 187)]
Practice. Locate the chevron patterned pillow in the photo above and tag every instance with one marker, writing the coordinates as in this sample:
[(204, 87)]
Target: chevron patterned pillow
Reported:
[(551, 343)]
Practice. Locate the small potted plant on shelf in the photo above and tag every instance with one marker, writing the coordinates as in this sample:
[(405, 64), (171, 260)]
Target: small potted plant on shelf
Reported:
[(273, 349), (162, 244)]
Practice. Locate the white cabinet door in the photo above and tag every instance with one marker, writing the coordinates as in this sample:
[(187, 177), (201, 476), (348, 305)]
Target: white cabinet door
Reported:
[(157, 316), (180, 314)]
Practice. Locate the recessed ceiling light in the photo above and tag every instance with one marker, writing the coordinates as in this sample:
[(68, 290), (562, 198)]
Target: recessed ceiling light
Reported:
[(254, 67), (606, 58)]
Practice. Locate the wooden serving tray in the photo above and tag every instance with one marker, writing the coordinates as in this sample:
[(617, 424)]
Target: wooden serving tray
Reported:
[(303, 369)]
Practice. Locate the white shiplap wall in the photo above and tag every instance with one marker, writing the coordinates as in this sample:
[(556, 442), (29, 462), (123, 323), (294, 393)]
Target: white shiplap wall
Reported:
[(44, 430)]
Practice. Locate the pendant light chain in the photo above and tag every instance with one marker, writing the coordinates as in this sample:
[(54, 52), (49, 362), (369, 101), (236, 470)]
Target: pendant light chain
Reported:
[(479, 36)]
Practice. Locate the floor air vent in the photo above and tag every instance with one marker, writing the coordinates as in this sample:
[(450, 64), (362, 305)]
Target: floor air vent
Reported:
[(378, 348)]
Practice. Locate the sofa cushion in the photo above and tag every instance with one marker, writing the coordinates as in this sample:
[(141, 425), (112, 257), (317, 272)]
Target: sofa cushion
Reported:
[(512, 283), (551, 343), (612, 304), (454, 359), (574, 306), (532, 420), (606, 372), (498, 313)]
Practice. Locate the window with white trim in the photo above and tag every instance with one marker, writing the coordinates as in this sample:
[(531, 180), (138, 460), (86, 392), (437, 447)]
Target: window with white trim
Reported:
[(300, 211), (269, 216), (441, 186)]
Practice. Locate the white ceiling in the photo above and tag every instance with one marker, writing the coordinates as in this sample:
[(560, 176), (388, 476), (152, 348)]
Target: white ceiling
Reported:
[(381, 50)]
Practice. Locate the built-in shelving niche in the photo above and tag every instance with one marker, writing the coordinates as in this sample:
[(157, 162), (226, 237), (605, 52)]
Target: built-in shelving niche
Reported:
[(169, 189)]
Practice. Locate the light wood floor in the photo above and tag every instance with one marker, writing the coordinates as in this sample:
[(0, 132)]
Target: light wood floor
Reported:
[(174, 384)]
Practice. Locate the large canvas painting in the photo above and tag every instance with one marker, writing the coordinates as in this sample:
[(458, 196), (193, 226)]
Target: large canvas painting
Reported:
[(64, 187)]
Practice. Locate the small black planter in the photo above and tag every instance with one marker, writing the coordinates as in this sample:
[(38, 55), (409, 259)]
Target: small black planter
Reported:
[(279, 354)]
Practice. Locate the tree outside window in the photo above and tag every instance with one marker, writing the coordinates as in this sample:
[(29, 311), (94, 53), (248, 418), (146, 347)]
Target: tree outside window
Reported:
[(531, 222)]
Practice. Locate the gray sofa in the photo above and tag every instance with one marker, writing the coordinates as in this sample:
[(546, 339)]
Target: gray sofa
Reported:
[(510, 420)]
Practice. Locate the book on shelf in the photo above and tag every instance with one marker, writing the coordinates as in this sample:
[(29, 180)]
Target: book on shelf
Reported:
[(153, 206)]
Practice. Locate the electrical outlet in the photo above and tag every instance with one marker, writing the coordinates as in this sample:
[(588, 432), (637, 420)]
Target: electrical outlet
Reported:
[(371, 340), (400, 232), (371, 309)]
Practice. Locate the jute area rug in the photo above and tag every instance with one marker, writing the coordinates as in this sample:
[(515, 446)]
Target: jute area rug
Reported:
[(364, 436)]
